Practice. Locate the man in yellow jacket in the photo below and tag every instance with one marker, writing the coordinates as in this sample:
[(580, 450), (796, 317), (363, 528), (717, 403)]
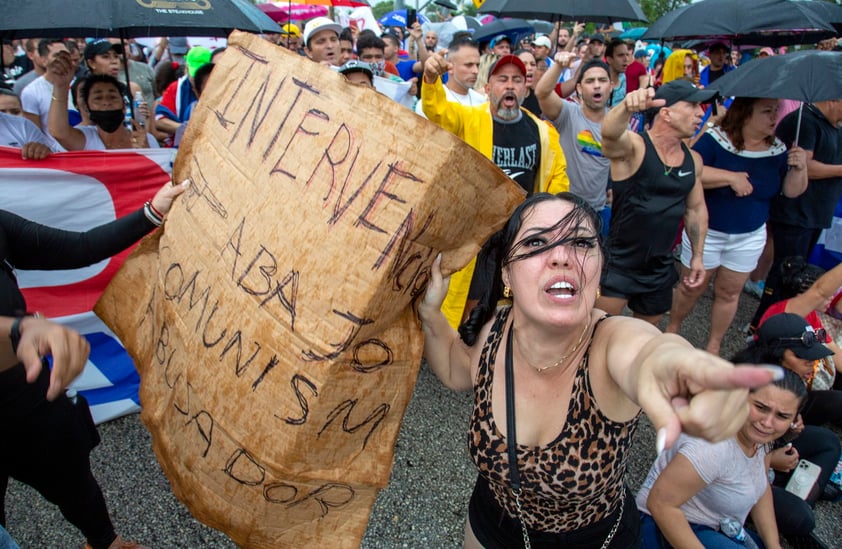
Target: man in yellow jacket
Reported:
[(522, 145)]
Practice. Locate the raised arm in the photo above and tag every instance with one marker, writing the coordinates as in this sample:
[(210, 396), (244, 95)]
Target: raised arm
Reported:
[(817, 295), (624, 148), (679, 387), (551, 103), (447, 356), (61, 73), (437, 108)]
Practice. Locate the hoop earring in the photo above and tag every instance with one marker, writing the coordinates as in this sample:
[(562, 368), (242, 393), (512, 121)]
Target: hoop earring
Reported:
[(507, 292)]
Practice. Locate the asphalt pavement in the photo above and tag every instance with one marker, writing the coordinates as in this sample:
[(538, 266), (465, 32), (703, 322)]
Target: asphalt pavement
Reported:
[(423, 506)]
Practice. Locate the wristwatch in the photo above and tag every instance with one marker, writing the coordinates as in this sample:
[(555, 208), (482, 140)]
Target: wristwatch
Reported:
[(14, 330), (14, 333)]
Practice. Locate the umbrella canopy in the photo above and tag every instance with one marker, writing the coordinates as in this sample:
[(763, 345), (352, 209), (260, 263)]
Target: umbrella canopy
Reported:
[(603, 11), (466, 22), (827, 11), (762, 22), (397, 18), (801, 76), (513, 28), (128, 19)]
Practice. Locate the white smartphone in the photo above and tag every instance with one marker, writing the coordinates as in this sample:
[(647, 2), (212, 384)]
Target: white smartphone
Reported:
[(803, 478)]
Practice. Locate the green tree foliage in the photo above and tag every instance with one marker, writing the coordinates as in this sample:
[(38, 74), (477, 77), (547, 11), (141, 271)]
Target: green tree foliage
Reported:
[(382, 8), (656, 8)]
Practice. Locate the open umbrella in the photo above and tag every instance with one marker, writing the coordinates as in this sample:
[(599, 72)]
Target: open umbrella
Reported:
[(513, 28), (801, 76), (130, 18), (761, 22), (602, 11), (827, 11), (397, 18)]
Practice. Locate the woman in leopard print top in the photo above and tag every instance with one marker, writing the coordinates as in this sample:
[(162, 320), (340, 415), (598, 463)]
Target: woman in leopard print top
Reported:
[(580, 380)]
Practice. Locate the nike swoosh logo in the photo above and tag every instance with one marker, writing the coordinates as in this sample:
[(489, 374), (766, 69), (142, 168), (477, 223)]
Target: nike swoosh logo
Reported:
[(683, 174), (513, 175)]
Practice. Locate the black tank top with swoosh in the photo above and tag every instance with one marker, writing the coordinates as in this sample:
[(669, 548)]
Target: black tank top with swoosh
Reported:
[(646, 212)]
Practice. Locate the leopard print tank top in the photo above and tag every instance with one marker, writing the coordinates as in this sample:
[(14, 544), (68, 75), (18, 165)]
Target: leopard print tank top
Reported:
[(568, 484)]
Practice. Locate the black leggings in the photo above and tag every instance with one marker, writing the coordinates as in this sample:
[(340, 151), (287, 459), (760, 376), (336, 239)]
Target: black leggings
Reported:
[(794, 515), (495, 529), (47, 445)]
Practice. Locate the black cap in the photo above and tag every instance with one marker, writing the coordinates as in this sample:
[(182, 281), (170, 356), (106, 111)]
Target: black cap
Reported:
[(597, 37), (683, 90), (101, 46), (722, 46), (786, 330)]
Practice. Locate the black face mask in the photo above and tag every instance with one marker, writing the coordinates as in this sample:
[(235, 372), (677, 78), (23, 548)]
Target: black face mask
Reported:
[(109, 121)]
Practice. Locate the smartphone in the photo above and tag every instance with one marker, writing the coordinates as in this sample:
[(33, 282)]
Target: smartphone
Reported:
[(803, 479), (411, 17)]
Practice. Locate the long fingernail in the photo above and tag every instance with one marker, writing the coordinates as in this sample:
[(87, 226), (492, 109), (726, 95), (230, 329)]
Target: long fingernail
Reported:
[(661, 440), (776, 371)]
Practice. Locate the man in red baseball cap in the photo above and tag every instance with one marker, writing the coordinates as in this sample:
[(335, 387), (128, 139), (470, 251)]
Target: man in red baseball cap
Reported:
[(522, 145)]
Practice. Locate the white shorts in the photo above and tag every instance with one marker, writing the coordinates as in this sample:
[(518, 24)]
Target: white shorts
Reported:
[(737, 252)]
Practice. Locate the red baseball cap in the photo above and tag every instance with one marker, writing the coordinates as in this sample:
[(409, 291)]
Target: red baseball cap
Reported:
[(508, 60)]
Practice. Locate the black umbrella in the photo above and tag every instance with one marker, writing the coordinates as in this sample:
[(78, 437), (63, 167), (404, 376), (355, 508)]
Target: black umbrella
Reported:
[(602, 11), (827, 11), (806, 76), (760, 22), (131, 18), (513, 28), (803, 76)]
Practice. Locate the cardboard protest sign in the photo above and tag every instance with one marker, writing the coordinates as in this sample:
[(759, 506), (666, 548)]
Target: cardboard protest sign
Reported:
[(272, 319)]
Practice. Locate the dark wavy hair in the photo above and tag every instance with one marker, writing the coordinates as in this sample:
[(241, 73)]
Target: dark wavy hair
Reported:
[(797, 276), (502, 249), (738, 114), (91, 79), (772, 353)]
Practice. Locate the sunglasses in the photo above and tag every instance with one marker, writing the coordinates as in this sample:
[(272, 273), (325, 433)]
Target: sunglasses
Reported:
[(809, 338)]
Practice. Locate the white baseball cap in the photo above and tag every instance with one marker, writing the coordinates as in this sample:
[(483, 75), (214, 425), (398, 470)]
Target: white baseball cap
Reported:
[(319, 24), (542, 40)]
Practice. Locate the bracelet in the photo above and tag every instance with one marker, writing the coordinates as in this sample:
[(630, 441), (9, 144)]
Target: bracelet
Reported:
[(155, 210), (57, 100), (150, 215)]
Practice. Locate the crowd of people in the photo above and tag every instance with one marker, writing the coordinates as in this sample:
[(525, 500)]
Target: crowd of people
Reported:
[(643, 189)]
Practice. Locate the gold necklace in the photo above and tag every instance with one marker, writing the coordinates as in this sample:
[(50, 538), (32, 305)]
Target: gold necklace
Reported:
[(568, 354)]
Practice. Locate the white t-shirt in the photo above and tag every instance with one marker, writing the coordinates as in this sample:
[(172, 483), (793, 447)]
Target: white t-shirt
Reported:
[(36, 98), (16, 131), (94, 143), (734, 481), (470, 99)]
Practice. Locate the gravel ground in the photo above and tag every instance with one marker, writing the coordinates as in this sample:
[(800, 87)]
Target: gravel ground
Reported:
[(423, 507)]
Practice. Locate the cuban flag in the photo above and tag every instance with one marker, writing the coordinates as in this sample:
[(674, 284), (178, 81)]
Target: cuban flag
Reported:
[(77, 191)]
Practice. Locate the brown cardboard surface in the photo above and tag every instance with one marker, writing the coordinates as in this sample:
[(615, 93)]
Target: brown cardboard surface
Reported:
[(271, 319)]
